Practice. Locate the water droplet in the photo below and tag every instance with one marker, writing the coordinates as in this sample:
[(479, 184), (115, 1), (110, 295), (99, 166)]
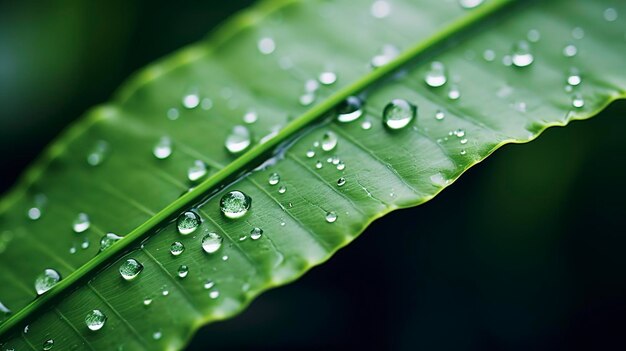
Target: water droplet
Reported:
[(177, 248), (4, 309), (95, 320), (282, 189), (459, 133), (610, 14), (34, 213), (206, 104), (489, 55), (173, 114), (130, 269), (329, 141), (331, 217), (335, 160), (570, 50), (440, 115), (147, 301), (521, 55), (436, 76), (398, 114), (380, 9), (72, 249), (108, 240), (366, 124), (238, 140), (47, 345), (183, 271), (310, 154), (188, 222), (350, 109), (235, 204), (211, 242), (578, 101), (463, 152), (209, 284), (26, 329), (163, 148), (573, 77), (327, 78), (197, 171), (533, 35), (341, 181), (250, 117), (191, 101), (266, 45), (319, 164), (214, 294), (470, 4), (46, 280), (341, 166), (165, 292), (387, 54), (85, 244), (439, 179), (81, 223), (98, 153), (225, 258), (255, 233), (273, 179), (454, 93), (578, 33), (463, 141), (157, 335)]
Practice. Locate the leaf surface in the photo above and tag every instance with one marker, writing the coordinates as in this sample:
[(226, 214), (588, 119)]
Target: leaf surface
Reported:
[(260, 63)]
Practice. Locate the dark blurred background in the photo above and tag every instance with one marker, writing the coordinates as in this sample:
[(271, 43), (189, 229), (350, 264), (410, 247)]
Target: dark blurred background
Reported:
[(526, 251)]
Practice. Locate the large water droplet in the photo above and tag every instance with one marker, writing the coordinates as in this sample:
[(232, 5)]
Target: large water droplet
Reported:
[(235, 204), (98, 153), (163, 148), (398, 114), (380, 9), (211, 242), (388, 53), (329, 141), (130, 269), (183, 271), (47, 345), (108, 240), (470, 4), (266, 45), (197, 171), (81, 223), (331, 217), (95, 320), (46, 280), (273, 179), (177, 248), (188, 222), (238, 140), (350, 109), (255, 233), (436, 76), (521, 55)]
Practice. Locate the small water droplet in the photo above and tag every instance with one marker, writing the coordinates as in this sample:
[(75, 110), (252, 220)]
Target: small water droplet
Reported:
[(197, 171), (307, 99), (34, 213), (238, 140), (350, 109), (183, 271), (165, 292), (454, 93), (147, 301), (235, 204), (5, 310), (489, 55), (191, 101), (85, 244), (188, 222), (436, 76), (459, 133), (108, 240), (157, 335), (81, 223), (470, 4), (177, 248), (163, 148), (319, 164), (366, 124), (209, 284), (438, 179), (578, 33), (282, 189), (463, 152), (46, 280), (250, 117), (341, 166), (570, 50), (533, 35), (329, 141), (310, 154), (266, 45), (211, 242), (214, 294), (610, 14), (573, 77), (273, 179), (331, 217), (48, 345), (26, 329), (72, 249), (341, 181), (173, 114), (387, 54), (206, 104), (398, 114), (440, 115), (225, 258), (380, 9), (98, 153), (130, 269), (327, 78), (255, 233), (95, 320), (463, 141), (578, 101), (521, 55)]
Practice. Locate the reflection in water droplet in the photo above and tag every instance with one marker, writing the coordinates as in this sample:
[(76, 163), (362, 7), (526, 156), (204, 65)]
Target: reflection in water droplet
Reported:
[(197, 171), (188, 222), (256, 233), (95, 320), (235, 204), (108, 240), (163, 149), (329, 141), (331, 217), (238, 140), (521, 55), (341, 181), (273, 179), (380, 9), (470, 4), (310, 154), (46, 280), (47, 345), (440, 115), (214, 294), (191, 101), (350, 109), (130, 269), (98, 153), (266, 45), (177, 248), (436, 76), (211, 242), (398, 114), (570, 50), (578, 101), (327, 78), (183, 271), (282, 189), (209, 284), (388, 53)]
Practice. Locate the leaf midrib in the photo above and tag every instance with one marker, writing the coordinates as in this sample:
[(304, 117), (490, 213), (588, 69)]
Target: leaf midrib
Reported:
[(238, 23)]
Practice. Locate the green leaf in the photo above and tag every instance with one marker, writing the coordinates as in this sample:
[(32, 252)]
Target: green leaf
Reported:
[(260, 61)]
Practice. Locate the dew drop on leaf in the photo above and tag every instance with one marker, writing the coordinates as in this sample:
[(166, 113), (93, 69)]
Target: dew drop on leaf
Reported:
[(235, 204), (98, 153), (108, 240), (183, 270), (489, 55), (578, 101), (188, 222), (130, 269), (573, 77), (398, 114), (327, 78), (387, 54), (147, 301), (214, 294), (610, 14), (341, 181), (197, 171), (310, 154), (319, 164), (380, 9), (211, 242), (282, 189), (266, 45), (95, 320), (238, 140), (177, 248), (81, 223), (250, 117), (157, 335), (191, 101), (470, 4), (209, 284), (173, 114), (454, 93), (366, 124), (273, 179), (163, 148), (46, 280), (329, 141), (570, 50), (256, 233), (521, 55), (533, 35), (436, 75), (47, 345), (331, 217), (350, 109), (440, 115)]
